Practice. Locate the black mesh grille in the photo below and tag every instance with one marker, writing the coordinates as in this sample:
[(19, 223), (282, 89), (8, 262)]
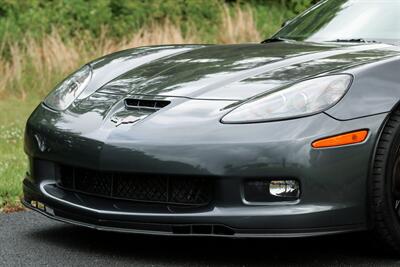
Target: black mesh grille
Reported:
[(181, 190), (141, 188), (93, 182), (186, 191)]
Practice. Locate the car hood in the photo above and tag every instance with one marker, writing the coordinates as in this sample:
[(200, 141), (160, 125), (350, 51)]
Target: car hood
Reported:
[(238, 72), (185, 76)]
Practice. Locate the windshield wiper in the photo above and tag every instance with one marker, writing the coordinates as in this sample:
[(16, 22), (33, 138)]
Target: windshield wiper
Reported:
[(353, 40)]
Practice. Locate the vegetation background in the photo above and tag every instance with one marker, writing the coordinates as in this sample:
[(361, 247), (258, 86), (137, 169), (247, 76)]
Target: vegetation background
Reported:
[(41, 41)]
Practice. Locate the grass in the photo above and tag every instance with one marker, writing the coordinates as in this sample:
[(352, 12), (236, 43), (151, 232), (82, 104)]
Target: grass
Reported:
[(35, 67), (12, 158)]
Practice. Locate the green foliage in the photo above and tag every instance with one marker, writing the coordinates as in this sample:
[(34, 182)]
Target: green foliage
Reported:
[(123, 17), (120, 17), (37, 17), (129, 16), (292, 7)]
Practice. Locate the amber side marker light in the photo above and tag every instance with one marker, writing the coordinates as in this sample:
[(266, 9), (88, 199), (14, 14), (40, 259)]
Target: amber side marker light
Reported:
[(341, 139)]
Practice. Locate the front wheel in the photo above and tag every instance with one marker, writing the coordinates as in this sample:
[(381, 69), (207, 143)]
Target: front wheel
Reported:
[(385, 185)]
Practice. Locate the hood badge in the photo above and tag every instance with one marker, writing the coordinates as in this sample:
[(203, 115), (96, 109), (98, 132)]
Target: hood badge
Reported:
[(129, 119)]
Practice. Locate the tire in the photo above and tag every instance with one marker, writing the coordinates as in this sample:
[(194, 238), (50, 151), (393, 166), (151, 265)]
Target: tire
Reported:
[(385, 182)]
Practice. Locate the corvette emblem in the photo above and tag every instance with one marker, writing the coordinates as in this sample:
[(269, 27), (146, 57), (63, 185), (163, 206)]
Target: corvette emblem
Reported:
[(126, 120)]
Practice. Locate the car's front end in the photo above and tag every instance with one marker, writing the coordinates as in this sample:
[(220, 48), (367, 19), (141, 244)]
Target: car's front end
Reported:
[(192, 172), (165, 163)]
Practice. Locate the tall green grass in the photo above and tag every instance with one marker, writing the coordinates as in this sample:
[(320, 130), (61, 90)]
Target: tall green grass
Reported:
[(13, 115), (39, 17)]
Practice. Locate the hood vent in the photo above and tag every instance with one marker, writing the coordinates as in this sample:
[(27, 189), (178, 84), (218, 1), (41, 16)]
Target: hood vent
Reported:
[(132, 103)]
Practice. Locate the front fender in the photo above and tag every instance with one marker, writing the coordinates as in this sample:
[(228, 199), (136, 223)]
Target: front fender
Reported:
[(375, 90)]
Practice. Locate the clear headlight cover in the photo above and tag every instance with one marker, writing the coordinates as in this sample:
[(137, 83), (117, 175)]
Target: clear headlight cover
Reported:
[(68, 90), (302, 99)]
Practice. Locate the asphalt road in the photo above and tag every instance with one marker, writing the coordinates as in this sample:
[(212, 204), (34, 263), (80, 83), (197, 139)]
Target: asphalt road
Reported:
[(28, 239)]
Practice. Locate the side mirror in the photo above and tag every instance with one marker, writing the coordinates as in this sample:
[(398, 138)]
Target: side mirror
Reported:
[(285, 23)]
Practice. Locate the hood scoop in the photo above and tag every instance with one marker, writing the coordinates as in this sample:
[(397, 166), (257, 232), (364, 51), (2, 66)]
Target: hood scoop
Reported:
[(136, 110), (138, 104)]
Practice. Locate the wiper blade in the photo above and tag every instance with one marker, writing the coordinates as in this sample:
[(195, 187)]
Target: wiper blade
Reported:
[(353, 40)]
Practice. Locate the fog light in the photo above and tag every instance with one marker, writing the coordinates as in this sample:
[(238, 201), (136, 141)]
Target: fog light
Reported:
[(266, 190), (284, 188)]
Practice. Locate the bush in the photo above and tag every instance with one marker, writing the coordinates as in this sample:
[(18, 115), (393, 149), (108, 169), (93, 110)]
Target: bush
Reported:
[(122, 17), (293, 7), (37, 17)]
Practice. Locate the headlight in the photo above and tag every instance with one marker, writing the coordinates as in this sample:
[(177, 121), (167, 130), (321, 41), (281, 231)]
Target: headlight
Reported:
[(68, 90), (302, 99)]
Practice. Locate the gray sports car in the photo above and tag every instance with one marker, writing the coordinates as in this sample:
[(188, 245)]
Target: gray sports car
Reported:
[(296, 136)]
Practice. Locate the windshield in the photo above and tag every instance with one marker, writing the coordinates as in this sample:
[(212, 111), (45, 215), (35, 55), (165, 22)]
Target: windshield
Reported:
[(341, 20)]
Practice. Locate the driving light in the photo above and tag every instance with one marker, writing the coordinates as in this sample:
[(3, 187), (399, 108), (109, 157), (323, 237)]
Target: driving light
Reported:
[(266, 190), (298, 100), (284, 188), (342, 139), (68, 90)]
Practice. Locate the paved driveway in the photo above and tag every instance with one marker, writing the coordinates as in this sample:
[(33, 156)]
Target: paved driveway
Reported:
[(27, 238)]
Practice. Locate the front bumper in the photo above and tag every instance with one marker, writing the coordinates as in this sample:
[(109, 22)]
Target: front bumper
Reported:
[(333, 181), (256, 221)]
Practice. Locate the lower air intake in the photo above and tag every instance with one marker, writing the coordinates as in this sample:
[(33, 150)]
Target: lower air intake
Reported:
[(151, 188)]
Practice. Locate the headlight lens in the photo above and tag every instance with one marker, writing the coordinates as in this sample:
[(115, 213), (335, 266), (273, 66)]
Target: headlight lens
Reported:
[(302, 99), (68, 90)]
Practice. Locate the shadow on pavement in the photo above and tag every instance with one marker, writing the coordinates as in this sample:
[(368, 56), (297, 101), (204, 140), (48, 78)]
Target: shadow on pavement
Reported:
[(351, 249)]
